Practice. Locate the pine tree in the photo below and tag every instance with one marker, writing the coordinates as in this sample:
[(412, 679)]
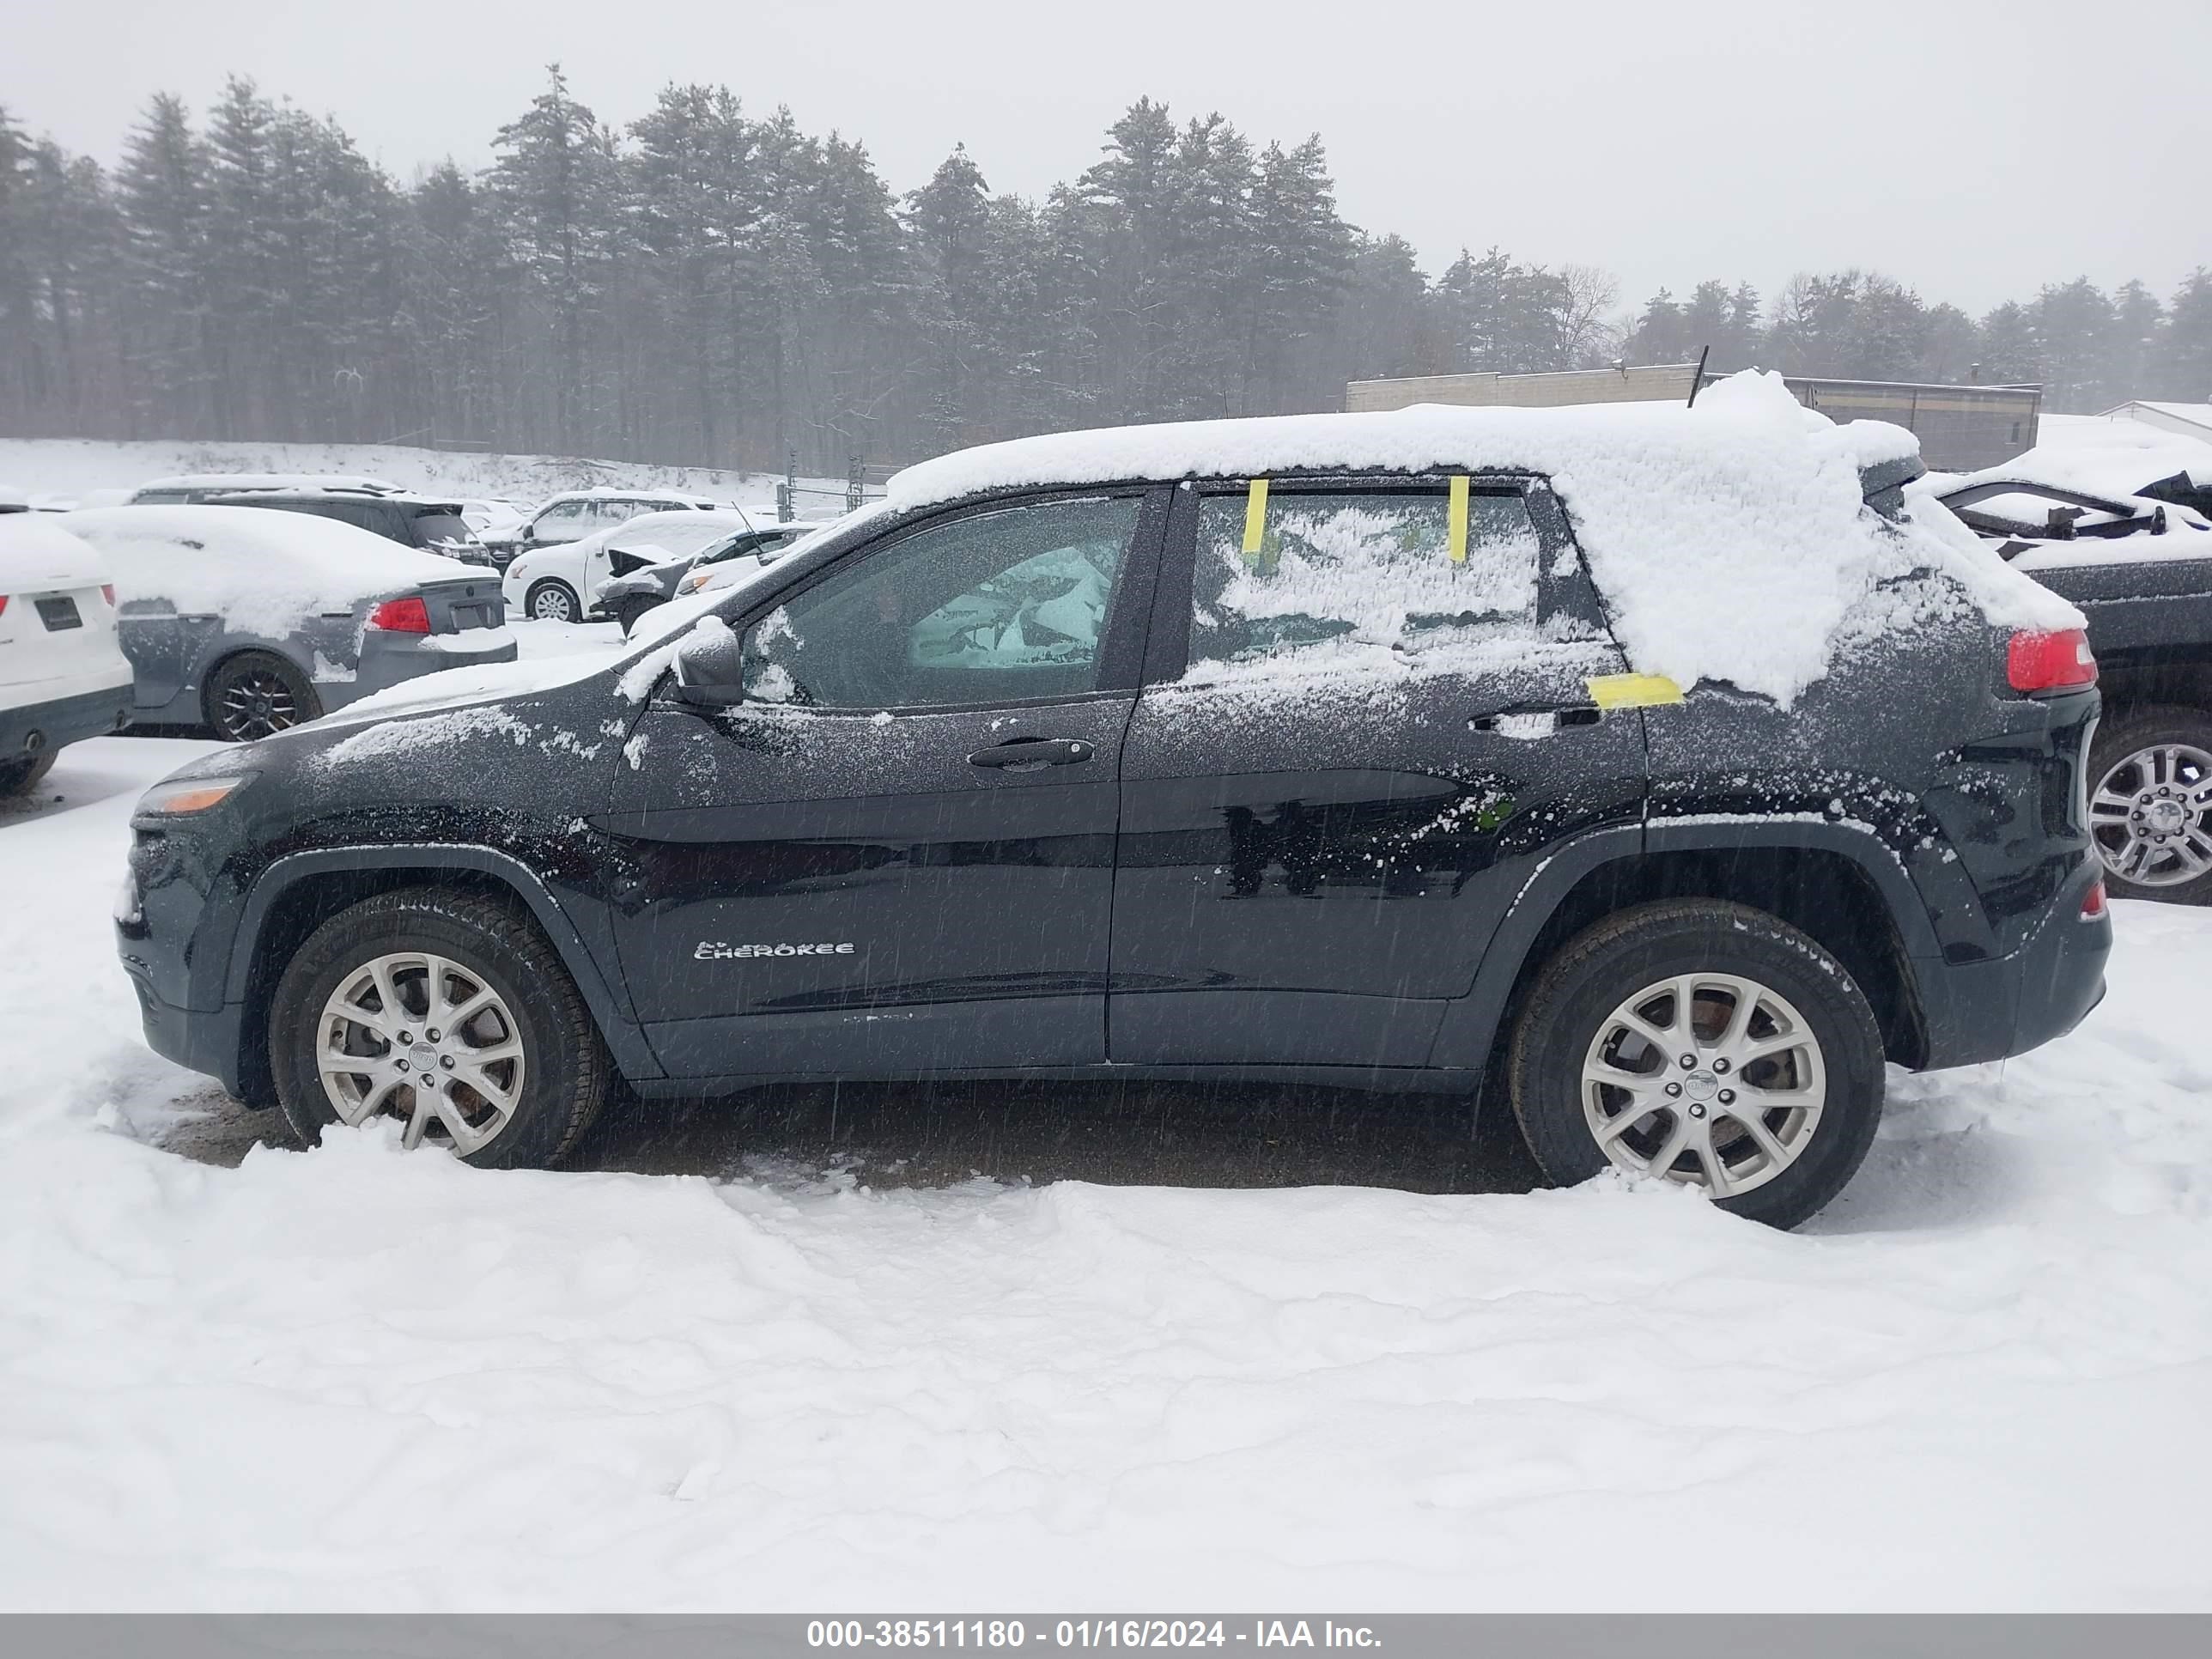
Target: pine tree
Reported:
[(558, 188), (2186, 374), (164, 189)]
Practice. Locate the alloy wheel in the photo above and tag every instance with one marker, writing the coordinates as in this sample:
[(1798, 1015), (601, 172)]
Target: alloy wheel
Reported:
[(2151, 816), (1714, 1080), (258, 704), (423, 1038)]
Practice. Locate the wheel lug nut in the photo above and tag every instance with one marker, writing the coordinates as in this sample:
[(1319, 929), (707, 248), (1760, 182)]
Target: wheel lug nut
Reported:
[(401, 1064), (1728, 1097), (1689, 1062), (1674, 1089), (446, 1060), (430, 1035), (1697, 1111), (1720, 1065), (406, 1036)]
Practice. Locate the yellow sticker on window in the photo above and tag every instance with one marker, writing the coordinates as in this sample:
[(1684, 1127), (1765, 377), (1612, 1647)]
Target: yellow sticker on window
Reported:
[(1632, 691), (1457, 520), (1255, 519)]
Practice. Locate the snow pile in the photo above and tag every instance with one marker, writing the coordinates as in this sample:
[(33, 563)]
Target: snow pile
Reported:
[(262, 572), (98, 473), (361, 1379), (1731, 539)]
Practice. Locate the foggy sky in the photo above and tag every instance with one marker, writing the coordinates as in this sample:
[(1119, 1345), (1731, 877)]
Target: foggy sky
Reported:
[(1973, 150)]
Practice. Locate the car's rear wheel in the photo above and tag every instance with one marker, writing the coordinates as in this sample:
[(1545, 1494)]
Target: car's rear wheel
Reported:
[(257, 694), (1705, 1043), (2150, 803), (446, 1012), (552, 601), (19, 777)]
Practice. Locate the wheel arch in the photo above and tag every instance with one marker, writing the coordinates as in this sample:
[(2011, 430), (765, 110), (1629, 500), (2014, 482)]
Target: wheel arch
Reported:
[(1838, 886), (298, 893)]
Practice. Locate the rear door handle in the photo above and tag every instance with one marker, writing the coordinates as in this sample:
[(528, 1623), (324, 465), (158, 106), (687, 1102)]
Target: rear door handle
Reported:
[(1029, 754)]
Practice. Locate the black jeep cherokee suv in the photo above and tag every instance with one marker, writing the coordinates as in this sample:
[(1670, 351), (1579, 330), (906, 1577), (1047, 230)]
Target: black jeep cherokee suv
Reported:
[(1331, 774)]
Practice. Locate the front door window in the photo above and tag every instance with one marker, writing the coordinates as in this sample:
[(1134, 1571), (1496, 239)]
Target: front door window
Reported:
[(1004, 605)]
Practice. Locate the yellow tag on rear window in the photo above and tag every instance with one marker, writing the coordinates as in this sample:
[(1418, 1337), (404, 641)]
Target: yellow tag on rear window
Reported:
[(1255, 519), (1458, 519), (1632, 691)]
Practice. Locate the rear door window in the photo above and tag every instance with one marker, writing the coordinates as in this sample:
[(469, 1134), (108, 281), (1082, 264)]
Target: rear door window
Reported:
[(562, 523), (1304, 577)]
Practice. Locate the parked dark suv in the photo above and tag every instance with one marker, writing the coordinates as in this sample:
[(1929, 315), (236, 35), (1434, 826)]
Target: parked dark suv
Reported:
[(434, 524), (1078, 762)]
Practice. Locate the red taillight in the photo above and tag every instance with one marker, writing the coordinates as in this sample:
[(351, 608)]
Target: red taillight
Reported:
[(107, 592), (2050, 662), (2092, 902), (3, 604), (409, 615)]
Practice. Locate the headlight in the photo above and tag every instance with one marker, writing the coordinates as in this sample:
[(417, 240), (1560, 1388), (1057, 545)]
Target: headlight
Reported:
[(697, 579), (182, 797)]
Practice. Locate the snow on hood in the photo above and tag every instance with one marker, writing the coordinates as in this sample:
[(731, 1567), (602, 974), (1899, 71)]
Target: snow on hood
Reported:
[(1731, 539), (261, 570)]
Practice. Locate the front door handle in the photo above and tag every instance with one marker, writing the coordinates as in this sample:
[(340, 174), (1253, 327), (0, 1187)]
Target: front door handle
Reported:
[(1029, 754), (1530, 719)]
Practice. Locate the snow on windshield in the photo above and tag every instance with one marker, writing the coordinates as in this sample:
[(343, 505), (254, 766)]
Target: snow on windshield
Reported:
[(1731, 540)]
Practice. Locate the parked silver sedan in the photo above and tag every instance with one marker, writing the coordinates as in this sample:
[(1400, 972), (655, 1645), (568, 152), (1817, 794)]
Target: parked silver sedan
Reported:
[(249, 622)]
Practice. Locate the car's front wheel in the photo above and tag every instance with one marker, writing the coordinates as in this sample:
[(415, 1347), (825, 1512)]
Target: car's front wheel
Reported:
[(552, 601), (2150, 803), (1702, 1042), (448, 1012), (257, 694)]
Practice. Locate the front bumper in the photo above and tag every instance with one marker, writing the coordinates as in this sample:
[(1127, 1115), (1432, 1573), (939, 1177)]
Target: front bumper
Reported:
[(206, 1041), (1982, 1010), (34, 728)]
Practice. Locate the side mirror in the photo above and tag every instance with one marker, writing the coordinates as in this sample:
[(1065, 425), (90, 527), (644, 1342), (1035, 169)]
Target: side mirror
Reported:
[(705, 699), (2158, 521)]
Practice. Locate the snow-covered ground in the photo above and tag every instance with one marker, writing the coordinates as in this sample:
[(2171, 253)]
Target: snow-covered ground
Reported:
[(359, 1379), (94, 471)]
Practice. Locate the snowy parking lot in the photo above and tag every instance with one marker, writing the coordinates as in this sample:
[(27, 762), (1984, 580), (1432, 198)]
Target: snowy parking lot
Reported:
[(359, 1379)]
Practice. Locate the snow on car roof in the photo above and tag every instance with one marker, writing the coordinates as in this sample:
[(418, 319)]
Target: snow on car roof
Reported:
[(260, 570), (2102, 457), (1731, 539)]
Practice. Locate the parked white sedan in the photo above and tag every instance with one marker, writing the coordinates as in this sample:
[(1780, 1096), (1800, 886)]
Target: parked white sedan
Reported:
[(63, 674), (556, 583)]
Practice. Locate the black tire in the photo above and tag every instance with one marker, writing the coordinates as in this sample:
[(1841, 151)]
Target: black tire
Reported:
[(19, 777), (551, 600), (2122, 760), (1572, 1005), (566, 1071), (257, 694), (632, 607)]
